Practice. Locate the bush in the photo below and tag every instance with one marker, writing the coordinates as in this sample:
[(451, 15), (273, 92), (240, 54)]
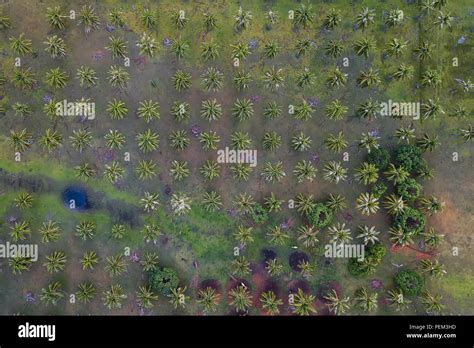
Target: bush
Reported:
[(409, 189), (320, 216), (164, 280), (411, 221), (409, 282), (259, 214), (373, 257), (379, 189), (380, 157), (410, 157)]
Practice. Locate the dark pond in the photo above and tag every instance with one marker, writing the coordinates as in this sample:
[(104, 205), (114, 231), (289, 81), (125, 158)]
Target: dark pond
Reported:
[(75, 198)]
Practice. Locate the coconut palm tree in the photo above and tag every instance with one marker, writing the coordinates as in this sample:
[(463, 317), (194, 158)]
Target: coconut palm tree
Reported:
[(210, 170), (304, 170), (116, 18), (240, 266), (85, 171), (150, 201), (118, 231), (404, 72), (52, 294), (394, 204), (117, 47), (304, 204), (179, 170), (23, 200), (211, 110), (147, 141), (368, 234), (149, 110), (405, 133), (20, 45), (180, 203), (274, 267), (303, 303), (20, 231), (180, 111), (240, 50), (116, 265), (55, 46), (208, 298), (365, 300), (307, 235), (118, 76), (367, 203), (5, 22), (86, 76), (432, 239), (396, 174), (334, 48), (148, 18), (145, 297), (55, 262), (428, 142), (433, 268), (272, 203), (181, 80), (339, 234), (85, 292), (365, 18), (272, 110), (431, 109), (210, 21), (149, 262), (431, 302), (364, 46), (306, 269), (209, 50), (114, 139), (431, 78), (56, 78), (146, 169), (395, 47), (302, 47), (394, 17), (336, 110), (243, 109), (336, 304), (270, 302), (240, 140), (334, 172), (51, 140), (271, 141), (240, 298), (50, 231), (467, 133), (443, 20), (336, 143), (332, 19), (243, 235), (89, 260), (151, 232), (209, 140), (368, 141), (80, 139), (22, 109), (424, 50), (244, 203), (368, 78), (277, 236), (212, 201), (179, 19), (305, 78), (212, 79), (399, 238), (242, 80), (336, 202), (303, 16), (398, 300), (303, 111), (55, 17), (113, 297), (180, 48), (19, 264), (242, 19), (367, 173), (273, 172), (179, 140), (86, 229), (458, 111), (147, 45), (271, 49), (273, 79), (20, 140), (272, 17), (88, 18), (431, 205), (369, 109), (23, 78), (241, 171)]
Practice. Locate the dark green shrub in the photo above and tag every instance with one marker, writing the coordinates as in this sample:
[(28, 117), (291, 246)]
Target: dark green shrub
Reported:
[(163, 280), (411, 221), (409, 189), (380, 157), (320, 216), (374, 254), (409, 282), (259, 214), (379, 189), (410, 157)]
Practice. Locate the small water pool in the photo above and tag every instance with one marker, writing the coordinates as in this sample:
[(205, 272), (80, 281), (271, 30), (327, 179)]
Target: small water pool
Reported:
[(75, 198)]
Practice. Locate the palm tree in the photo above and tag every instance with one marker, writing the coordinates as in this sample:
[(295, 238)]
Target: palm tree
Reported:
[(335, 110), (212, 201), (304, 170), (334, 172), (271, 141), (431, 109), (116, 18), (23, 200), (80, 139), (20, 231), (50, 231), (367, 173), (434, 269), (424, 50), (23, 78), (180, 48), (303, 16), (272, 203), (396, 47), (86, 76), (240, 50), (55, 262), (150, 201), (113, 297), (148, 110), (210, 21), (399, 238), (149, 262), (405, 133), (21, 140), (303, 303), (336, 304), (367, 203), (212, 79), (272, 110), (431, 238), (151, 232), (243, 235), (22, 109), (85, 292), (277, 236), (148, 18), (118, 76), (180, 203), (307, 235), (56, 78), (458, 111), (431, 78), (89, 260), (51, 140), (210, 170), (209, 299), (85, 171), (179, 170), (240, 266), (209, 50), (146, 169), (273, 172), (20, 45), (147, 141), (394, 204), (271, 49), (334, 48), (368, 141), (240, 298), (306, 269), (180, 111), (397, 175), (88, 18), (19, 264), (179, 140), (211, 110), (274, 267), (339, 234), (431, 205), (303, 111), (179, 19), (243, 109), (273, 79), (368, 234), (5, 22), (240, 140), (431, 302), (114, 139), (181, 80), (86, 229), (365, 300), (336, 202), (272, 17), (244, 203), (369, 110), (209, 140), (394, 17), (117, 46), (242, 80), (55, 46), (467, 133), (364, 46), (302, 46), (147, 45), (242, 19), (270, 302), (368, 78), (304, 203), (428, 142), (364, 18), (116, 265), (145, 297), (336, 143), (404, 72), (241, 171), (55, 17), (332, 19), (52, 294), (305, 78), (397, 299), (443, 20), (118, 231)]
